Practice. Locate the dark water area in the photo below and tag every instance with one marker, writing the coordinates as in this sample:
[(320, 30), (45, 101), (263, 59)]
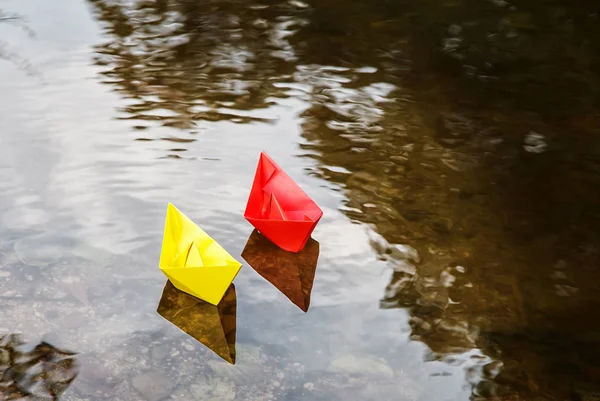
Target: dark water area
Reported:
[(452, 145)]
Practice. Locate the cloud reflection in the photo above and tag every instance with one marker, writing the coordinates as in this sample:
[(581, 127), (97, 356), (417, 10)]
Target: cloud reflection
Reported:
[(292, 273), (213, 326)]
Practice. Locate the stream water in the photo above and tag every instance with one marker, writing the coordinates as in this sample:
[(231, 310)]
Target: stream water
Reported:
[(451, 145)]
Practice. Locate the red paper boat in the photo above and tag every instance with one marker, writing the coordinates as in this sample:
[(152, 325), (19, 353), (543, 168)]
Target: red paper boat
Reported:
[(279, 209)]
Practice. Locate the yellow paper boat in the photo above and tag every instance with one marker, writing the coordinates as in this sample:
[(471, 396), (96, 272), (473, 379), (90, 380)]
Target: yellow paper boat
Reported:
[(193, 261), (213, 326)]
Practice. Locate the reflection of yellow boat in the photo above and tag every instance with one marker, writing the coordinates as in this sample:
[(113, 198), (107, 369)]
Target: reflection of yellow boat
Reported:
[(213, 326), (292, 273), (193, 261)]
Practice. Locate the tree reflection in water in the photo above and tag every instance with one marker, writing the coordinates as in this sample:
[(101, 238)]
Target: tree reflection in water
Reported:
[(7, 52), (43, 371), (462, 132), (486, 205), (179, 62)]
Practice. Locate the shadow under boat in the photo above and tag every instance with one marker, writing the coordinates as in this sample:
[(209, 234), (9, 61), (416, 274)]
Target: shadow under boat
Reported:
[(213, 326), (291, 273)]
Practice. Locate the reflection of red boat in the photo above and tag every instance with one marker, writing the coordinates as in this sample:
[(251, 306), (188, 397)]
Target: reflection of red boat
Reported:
[(279, 209), (291, 273)]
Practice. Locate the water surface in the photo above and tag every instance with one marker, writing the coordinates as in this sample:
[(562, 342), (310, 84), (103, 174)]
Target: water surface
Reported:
[(451, 145)]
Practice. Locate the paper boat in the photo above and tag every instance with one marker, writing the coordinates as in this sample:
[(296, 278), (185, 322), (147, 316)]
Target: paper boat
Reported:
[(291, 273), (193, 261), (213, 326), (279, 208)]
